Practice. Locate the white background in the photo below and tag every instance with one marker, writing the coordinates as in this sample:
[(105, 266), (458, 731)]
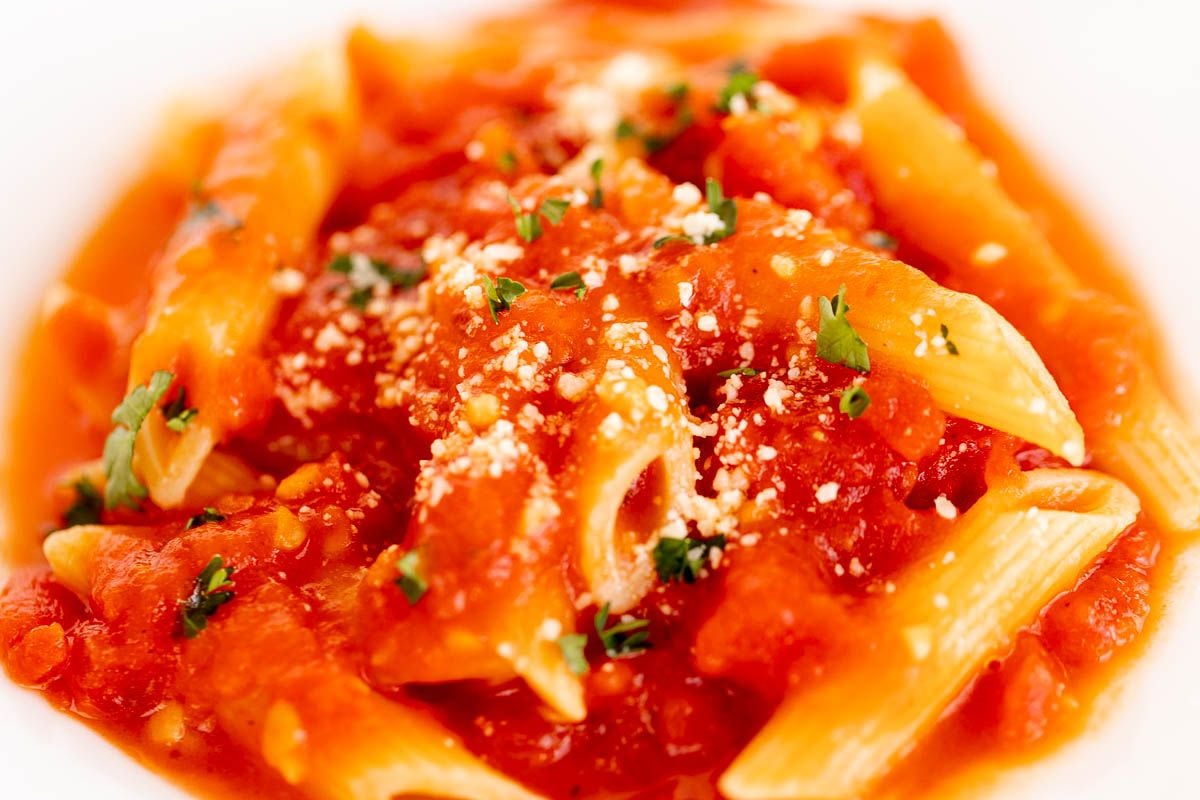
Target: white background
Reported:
[(1106, 93)]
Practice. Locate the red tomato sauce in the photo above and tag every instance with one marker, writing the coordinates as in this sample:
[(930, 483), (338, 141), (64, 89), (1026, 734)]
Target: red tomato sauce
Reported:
[(725, 649)]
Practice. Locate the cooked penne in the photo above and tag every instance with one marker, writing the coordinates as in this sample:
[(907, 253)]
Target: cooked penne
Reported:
[(1015, 550), (259, 204), (635, 440), (917, 160), (622, 401)]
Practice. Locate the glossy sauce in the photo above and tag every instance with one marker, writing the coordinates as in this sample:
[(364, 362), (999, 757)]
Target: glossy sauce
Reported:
[(664, 722)]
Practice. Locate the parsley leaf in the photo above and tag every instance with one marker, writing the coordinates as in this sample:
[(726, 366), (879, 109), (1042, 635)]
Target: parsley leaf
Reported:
[(122, 487), (951, 347), (365, 273), (837, 341), (209, 514), (570, 280), (572, 646), (87, 507), (178, 413), (596, 169), (682, 559), (624, 638), (741, 81), (212, 589), (625, 130), (749, 372), (501, 295), (719, 204), (507, 162), (723, 207), (553, 209), (211, 209), (854, 402), (410, 580), (879, 240), (677, 92)]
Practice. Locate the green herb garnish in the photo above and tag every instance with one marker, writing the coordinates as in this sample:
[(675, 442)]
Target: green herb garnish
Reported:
[(596, 169), (365, 273), (718, 204), (87, 507), (749, 372), (625, 130), (410, 581), (572, 646), (951, 347), (209, 514), (178, 413), (682, 559), (837, 341), (122, 487), (212, 589), (553, 209), (568, 281), (211, 209), (529, 225), (854, 402), (741, 81), (879, 240), (624, 638), (507, 162), (501, 295), (723, 207)]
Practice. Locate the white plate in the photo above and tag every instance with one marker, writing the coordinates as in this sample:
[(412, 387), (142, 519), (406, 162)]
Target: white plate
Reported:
[(1106, 93)]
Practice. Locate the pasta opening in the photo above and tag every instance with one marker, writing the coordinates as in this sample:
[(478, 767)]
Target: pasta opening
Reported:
[(642, 511)]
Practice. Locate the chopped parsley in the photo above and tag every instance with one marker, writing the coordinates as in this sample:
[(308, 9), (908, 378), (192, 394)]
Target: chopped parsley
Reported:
[(749, 372), (663, 241), (209, 514), (211, 209), (656, 140), (570, 280), (951, 347), (212, 589), (553, 209), (682, 559), (719, 204), (178, 413), (501, 295), (529, 225), (854, 402), (410, 581), (572, 646), (741, 82), (122, 487), (677, 92), (837, 341), (879, 240), (723, 207), (625, 130), (507, 162), (365, 273), (596, 169), (87, 507), (624, 638)]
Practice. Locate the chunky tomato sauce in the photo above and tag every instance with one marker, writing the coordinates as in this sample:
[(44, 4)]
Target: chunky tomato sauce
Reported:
[(361, 403)]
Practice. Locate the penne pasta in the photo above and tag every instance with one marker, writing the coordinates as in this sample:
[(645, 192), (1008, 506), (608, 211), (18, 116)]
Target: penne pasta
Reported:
[(1158, 454), (612, 402), (261, 201), (917, 160), (1017, 548), (636, 443), (994, 377)]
